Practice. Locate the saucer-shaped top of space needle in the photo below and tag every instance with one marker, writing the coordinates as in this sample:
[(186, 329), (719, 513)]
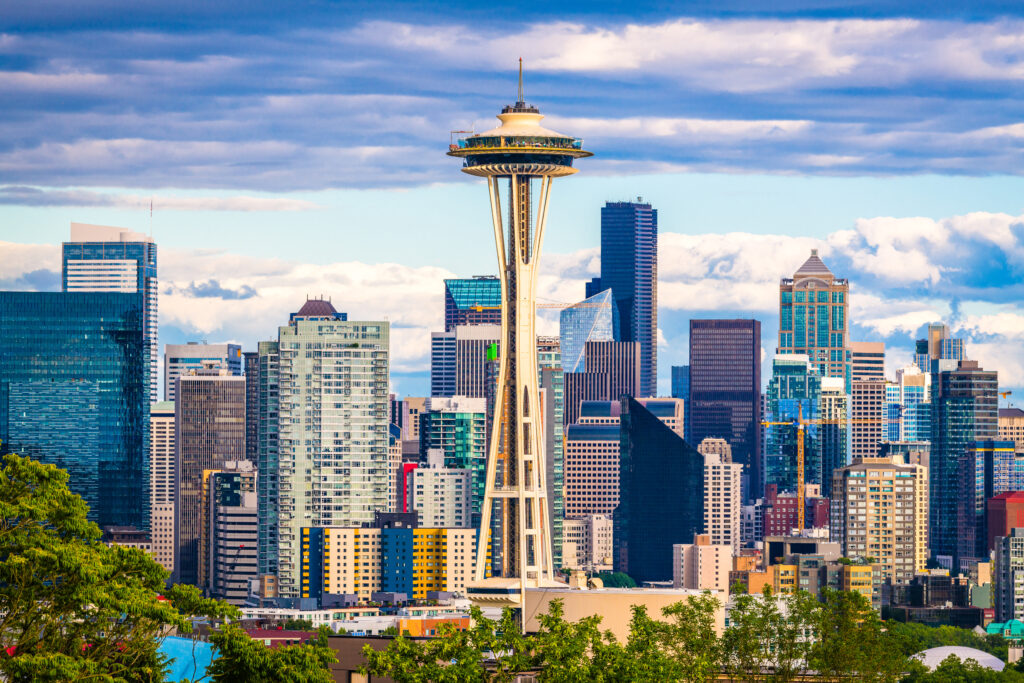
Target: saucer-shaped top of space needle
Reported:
[(520, 145)]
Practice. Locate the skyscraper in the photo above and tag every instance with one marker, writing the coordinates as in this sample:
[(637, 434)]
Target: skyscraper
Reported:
[(661, 494), (455, 428), (793, 391), (725, 390), (908, 409), (938, 346), (613, 371), (525, 155), (869, 424), (209, 426), (441, 494), (75, 393), (834, 431), (1008, 576), (593, 319), (892, 527), (458, 360), (552, 386), (251, 362), (987, 469), (101, 258), (472, 301), (722, 493), (180, 359), (162, 472), (867, 360), (813, 319), (324, 388), (964, 410), (629, 267), (232, 531)]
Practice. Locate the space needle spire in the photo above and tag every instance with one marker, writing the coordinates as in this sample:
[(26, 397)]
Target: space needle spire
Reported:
[(519, 159)]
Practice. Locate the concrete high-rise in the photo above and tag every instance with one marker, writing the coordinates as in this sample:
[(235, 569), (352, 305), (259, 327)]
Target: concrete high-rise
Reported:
[(1008, 576), (834, 431), (181, 359), (867, 360), (231, 555), (593, 319), (964, 406), (880, 510), (458, 360), (441, 494), (251, 363), (587, 543), (725, 390), (613, 371), (472, 301), (813, 320), (100, 258), (938, 346), (209, 430), (1011, 427), (702, 564), (722, 494), (527, 157), (629, 267), (455, 427), (324, 437), (162, 472), (75, 393)]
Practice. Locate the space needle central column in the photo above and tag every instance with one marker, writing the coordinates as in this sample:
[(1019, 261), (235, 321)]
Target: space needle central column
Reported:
[(519, 159)]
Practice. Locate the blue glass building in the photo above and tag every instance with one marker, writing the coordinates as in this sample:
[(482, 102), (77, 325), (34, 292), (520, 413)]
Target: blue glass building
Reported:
[(101, 258), (964, 406), (472, 301), (629, 267), (795, 388), (593, 319), (74, 392), (987, 469)]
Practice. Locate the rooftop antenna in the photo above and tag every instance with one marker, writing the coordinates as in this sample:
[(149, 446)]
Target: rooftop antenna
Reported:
[(521, 100)]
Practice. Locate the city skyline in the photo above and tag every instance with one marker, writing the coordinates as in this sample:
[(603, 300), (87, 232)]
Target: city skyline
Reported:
[(749, 167)]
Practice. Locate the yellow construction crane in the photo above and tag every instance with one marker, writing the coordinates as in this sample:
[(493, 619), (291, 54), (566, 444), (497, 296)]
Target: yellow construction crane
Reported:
[(800, 423), (1004, 394)]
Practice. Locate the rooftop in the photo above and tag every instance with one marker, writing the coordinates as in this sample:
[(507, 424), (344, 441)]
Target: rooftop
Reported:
[(813, 267), (317, 308), (1011, 412)]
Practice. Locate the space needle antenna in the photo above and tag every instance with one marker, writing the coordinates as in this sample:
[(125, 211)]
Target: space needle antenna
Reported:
[(521, 81)]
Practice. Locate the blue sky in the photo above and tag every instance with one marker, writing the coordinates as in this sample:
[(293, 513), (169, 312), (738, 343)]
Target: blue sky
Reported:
[(294, 148)]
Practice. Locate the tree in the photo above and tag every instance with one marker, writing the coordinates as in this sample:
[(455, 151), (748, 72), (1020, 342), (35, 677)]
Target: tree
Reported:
[(72, 607), (293, 624), (848, 639), (616, 580), (244, 660), (689, 637), (768, 633)]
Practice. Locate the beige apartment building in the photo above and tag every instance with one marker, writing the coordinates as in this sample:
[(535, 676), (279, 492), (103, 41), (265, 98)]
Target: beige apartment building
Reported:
[(879, 509), (1011, 427), (161, 477), (722, 493), (701, 565)]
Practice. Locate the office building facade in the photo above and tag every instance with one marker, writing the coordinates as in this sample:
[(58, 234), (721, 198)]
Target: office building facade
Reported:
[(1011, 427), (629, 267), (613, 371), (1004, 512), (813, 320), (183, 359), (251, 365), (1008, 576), (163, 493), (441, 495), (702, 564), (232, 531), (100, 258), (725, 390), (209, 425), (964, 406), (879, 509), (75, 393), (587, 543), (458, 360), (722, 495), (455, 427), (987, 469), (834, 430), (593, 319), (794, 391), (472, 301), (326, 380)]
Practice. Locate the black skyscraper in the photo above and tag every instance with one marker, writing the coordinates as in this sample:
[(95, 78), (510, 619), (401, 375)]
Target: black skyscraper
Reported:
[(661, 495), (725, 390), (629, 267)]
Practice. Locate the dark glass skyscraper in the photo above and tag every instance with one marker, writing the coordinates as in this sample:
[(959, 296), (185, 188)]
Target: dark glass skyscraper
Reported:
[(74, 392), (629, 267), (964, 410), (725, 390), (661, 494), (252, 405), (613, 371)]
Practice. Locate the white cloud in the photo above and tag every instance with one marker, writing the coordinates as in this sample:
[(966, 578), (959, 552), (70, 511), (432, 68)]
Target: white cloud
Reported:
[(34, 196), (687, 130)]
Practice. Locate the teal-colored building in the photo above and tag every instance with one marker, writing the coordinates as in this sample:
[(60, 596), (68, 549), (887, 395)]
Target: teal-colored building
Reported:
[(1009, 630), (793, 391)]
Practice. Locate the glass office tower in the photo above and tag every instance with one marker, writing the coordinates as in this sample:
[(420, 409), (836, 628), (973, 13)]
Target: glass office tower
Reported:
[(593, 319), (629, 267), (74, 392), (472, 301), (725, 390), (795, 386), (100, 258)]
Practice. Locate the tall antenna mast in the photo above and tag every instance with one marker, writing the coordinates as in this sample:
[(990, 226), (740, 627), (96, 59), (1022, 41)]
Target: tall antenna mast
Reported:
[(521, 80)]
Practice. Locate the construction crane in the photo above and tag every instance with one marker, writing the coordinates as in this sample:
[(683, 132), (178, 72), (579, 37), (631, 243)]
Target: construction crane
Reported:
[(1004, 394), (582, 304), (800, 423)]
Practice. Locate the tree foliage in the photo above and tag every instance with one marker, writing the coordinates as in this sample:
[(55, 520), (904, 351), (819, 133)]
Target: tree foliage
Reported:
[(616, 580), (244, 660), (73, 608)]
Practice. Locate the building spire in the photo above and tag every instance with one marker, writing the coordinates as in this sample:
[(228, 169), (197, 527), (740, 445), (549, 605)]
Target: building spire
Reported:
[(521, 100)]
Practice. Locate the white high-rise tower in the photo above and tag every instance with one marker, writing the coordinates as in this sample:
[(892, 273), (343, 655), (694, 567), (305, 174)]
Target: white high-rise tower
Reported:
[(527, 157)]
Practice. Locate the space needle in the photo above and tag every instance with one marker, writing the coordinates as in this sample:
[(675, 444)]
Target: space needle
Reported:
[(519, 159)]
